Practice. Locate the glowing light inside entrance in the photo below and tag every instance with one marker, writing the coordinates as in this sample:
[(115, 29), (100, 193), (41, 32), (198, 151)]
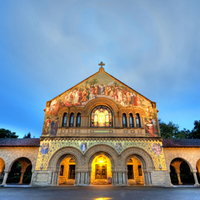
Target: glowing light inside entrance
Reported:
[(101, 117)]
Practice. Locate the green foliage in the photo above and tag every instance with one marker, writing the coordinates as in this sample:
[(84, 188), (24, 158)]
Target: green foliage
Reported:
[(28, 135), (93, 82), (195, 134), (4, 133), (171, 131)]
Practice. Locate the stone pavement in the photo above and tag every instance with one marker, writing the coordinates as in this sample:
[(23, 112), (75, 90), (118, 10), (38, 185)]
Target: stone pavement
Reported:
[(99, 193)]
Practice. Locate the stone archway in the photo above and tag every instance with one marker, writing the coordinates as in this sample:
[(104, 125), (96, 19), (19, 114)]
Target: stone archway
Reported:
[(144, 160), (18, 168), (58, 157), (181, 172), (105, 151)]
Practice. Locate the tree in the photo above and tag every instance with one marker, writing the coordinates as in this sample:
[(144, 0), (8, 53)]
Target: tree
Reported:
[(28, 135), (168, 131), (195, 134), (4, 133), (171, 131)]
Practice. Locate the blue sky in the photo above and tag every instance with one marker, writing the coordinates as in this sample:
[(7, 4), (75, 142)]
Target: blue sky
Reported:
[(48, 46)]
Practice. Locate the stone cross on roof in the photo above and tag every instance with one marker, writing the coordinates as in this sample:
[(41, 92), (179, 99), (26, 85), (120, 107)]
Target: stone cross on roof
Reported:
[(101, 69)]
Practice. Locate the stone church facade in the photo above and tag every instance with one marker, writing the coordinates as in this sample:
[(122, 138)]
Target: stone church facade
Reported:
[(99, 132)]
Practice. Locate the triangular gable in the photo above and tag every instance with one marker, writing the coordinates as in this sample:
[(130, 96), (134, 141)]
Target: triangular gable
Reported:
[(100, 84)]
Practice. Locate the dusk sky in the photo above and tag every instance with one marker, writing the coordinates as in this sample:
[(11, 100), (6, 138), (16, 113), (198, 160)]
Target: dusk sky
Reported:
[(46, 47)]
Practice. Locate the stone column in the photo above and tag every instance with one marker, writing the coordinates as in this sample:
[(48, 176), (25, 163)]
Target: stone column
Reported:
[(89, 178), (179, 178), (149, 177), (54, 177), (74, 125), (21, 178), (145, 178), (176, 166), (120, 120), (195, 178), (127, 120), (120, 178), (5, 178), (134, 121), (113, 178), (124, 178), (79, 178), (117, 122)]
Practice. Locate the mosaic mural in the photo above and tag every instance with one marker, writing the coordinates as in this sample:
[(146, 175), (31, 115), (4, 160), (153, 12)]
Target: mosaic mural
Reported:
[(154, 149), (100, 85)]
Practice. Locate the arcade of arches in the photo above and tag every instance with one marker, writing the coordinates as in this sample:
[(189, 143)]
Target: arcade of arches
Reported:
[(100, 132)]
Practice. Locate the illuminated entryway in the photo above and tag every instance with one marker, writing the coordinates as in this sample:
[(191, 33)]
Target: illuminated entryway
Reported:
[(135, 172), (101, 171), (67, 172)]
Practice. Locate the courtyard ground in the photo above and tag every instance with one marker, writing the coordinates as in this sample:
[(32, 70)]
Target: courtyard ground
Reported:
[(99, 193)]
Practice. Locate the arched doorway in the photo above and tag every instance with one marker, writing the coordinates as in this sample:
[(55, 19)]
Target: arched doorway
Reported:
[(67, 171), (2, 166), (101, 171), (135, 171), (180, 172), (20, 171), (142, 166)]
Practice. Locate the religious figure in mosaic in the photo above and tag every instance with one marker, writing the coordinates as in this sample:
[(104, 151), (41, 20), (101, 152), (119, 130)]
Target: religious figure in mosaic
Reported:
[(157, 149), (45, 148), (84, 147)]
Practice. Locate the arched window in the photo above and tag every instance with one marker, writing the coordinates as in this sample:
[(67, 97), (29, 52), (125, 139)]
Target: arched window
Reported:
[(71, 122), (78, 120), (131, 122), (138, 124), (124, 120), (64, 122), (101, 117)]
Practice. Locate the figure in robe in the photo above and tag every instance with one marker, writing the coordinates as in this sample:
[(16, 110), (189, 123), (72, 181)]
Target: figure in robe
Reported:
[(106, 90), (119, 95), (76, 97), (150, 128), (137, 101), (115, 95), (54, 126), (46, 126), (45, 148), (98, 89), (84, 96), (102, 89), (111, 91), (57, 107), (52, 106), (128, 97), (80, 95), (132, 98), (68, 101)]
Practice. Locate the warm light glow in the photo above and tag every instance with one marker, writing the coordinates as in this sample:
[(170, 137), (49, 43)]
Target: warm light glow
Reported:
[(101, 119), (102, 198), (101, 161)]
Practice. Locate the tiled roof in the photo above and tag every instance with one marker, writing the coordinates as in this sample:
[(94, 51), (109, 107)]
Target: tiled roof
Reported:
[(14, 142), (35, 142), (181, 142)]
